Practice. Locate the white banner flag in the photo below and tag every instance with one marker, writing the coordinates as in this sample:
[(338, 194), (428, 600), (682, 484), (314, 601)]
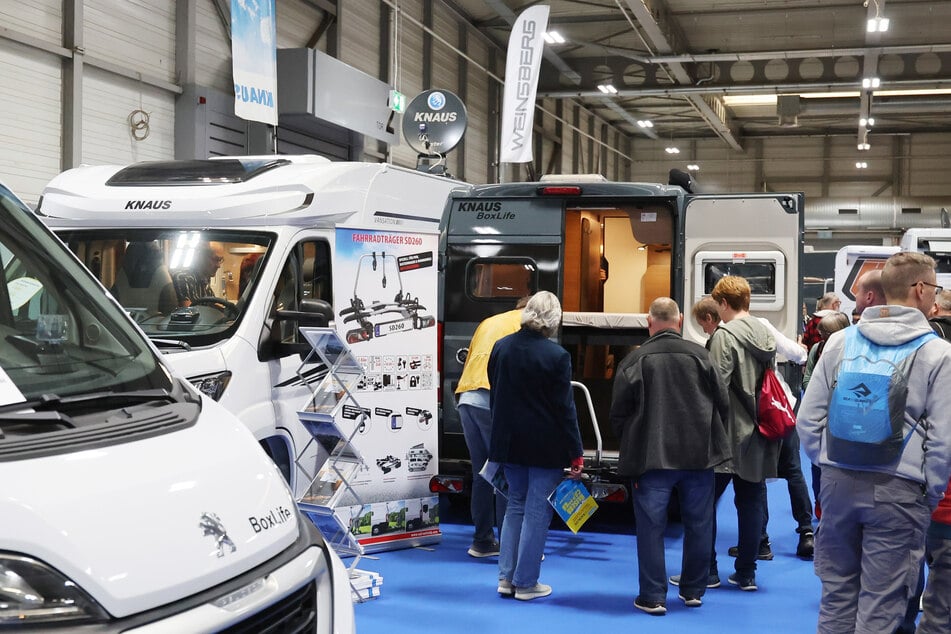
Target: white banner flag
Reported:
[(254, 60), (522, 62)]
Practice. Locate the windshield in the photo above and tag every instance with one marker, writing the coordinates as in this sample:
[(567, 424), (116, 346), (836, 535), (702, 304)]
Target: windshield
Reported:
[(61, 334), (186, 286)]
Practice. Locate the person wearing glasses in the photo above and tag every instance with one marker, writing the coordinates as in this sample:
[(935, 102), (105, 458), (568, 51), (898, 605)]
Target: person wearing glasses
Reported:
[(195, 282), (875, 517)]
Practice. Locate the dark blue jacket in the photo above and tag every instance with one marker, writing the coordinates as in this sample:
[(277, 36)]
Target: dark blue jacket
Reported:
[(533, 409)]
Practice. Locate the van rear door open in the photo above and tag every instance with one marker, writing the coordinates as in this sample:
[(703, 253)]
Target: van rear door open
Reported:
[(607, 250), (756, 236)]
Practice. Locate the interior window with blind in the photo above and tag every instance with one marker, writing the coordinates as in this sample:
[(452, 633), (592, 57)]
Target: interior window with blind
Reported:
[(501, 278)]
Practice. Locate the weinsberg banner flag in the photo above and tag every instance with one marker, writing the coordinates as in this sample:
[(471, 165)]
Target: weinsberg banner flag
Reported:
[(522, 63), (254, 59)]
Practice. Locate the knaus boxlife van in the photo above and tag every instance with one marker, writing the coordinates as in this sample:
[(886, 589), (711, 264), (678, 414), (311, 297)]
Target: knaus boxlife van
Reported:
[(131, 502), (607, 250)]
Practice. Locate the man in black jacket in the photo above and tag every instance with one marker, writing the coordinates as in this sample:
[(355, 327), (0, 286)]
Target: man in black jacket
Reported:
[(669, 410)]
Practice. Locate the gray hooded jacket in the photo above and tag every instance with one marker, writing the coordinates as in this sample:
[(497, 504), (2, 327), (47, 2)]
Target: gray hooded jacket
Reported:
[(740, 350), (927, 456)]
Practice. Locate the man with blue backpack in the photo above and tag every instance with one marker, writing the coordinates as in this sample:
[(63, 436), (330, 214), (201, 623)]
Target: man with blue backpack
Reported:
[(876, 418)]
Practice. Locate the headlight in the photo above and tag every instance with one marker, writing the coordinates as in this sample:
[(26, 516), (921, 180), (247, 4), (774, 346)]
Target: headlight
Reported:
[(32, 592), (212, 385)]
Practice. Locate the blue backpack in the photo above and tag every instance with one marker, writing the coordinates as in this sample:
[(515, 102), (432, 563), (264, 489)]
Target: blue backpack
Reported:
[(867, 404)]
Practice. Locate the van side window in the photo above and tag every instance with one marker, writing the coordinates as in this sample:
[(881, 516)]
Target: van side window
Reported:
[(501, 278), (305, 275), (315, 270)]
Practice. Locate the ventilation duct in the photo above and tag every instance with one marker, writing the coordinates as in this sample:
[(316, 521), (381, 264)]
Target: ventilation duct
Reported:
[(875, 214)]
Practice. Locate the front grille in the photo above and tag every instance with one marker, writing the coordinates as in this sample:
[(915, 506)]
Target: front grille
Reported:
[(297, 612)]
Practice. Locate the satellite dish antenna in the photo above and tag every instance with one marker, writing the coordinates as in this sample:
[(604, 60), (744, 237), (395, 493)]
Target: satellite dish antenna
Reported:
[(433, 124)]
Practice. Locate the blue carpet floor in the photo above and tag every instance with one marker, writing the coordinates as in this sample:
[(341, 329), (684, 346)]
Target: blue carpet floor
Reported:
[(594, 580)]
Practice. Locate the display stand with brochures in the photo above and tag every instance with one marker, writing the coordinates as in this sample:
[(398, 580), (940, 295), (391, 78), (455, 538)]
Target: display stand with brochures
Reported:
[(329, 461)]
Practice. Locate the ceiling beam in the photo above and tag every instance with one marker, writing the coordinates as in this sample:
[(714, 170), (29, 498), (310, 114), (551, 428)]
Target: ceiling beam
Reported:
[(709, 107)]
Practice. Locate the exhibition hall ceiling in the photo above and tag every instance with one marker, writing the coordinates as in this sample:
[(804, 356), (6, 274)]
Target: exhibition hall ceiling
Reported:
[(739, 69)]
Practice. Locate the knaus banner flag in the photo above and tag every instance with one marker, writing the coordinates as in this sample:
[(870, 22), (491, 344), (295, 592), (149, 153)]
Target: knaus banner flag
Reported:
[(254, 59), (521, 84)]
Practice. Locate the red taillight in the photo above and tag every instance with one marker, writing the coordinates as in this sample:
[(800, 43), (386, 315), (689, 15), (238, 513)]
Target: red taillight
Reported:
[(559, 190), (446, 484), (607, 492)]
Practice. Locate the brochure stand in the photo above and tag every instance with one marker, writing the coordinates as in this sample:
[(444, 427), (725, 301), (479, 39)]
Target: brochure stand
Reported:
[(329, 460)]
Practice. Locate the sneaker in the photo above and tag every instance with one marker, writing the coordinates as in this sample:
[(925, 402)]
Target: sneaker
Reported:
[(807, 545), (651, 607), (506, 589), (747, 584), (713, 581), (691, 602), (534, 592), (765, 551), (484, 550)]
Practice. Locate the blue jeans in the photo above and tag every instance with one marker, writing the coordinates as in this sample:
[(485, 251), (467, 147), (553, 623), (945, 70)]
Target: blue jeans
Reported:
[(651, 496), (525, 527), (486, 507)]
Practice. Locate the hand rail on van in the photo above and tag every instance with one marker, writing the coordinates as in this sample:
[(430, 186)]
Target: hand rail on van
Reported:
[(594, 420)]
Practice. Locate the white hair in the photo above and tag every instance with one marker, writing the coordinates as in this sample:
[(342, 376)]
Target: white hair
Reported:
[(542, 313)]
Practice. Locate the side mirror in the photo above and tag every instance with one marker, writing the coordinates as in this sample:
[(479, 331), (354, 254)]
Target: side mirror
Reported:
[(313, 312)]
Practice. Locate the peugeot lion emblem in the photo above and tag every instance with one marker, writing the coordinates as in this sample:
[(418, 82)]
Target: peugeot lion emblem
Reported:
[(211, 526)]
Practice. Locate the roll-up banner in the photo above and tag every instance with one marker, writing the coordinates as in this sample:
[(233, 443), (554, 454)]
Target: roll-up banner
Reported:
[(254, 60), (522, 64)]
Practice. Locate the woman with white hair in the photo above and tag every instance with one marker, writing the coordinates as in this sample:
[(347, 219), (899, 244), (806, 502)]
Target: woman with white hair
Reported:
[(534, 437)]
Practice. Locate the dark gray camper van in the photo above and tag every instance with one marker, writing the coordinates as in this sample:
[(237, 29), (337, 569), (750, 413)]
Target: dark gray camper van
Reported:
[(607, 250)]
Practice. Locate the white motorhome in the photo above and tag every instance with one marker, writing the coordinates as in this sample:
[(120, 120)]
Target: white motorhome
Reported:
[(130, 500), (851, 262), (262, 229), (935, 242)]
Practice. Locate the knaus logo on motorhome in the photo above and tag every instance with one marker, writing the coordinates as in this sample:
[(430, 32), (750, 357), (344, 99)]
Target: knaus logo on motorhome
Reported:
[(487, 210), (148, 204)]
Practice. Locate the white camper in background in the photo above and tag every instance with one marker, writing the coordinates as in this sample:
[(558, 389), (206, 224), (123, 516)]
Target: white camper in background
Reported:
[(130, 500), (851, 262), (934, 242), (263, 229)]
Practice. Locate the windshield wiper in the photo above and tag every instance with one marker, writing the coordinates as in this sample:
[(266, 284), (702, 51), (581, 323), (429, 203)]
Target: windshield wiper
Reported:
[(171, 343), (103, 400), (35, 419)]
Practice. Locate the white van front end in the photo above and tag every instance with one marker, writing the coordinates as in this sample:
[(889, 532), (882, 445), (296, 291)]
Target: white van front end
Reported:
[(129, 501), (179, 539)]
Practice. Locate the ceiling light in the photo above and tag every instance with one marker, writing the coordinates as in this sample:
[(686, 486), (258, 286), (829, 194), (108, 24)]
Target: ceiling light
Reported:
[(645, 123), (864, 146), (877, 24), (871, 121), (554, 37), (607, 89), (672, 150), (693, 167), (861, 165), (871, 82)]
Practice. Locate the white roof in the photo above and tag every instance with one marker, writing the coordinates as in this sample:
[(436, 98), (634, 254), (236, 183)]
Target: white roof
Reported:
[(300, 190)]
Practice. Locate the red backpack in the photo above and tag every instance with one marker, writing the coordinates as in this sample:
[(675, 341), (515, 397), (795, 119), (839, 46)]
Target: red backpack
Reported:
[(775, 419)]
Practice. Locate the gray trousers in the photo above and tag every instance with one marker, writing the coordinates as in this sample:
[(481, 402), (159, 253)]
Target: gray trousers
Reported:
[(936, 602), (869, 547)]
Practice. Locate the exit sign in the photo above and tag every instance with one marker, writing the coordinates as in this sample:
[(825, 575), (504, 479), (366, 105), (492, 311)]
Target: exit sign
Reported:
[(397, 101)]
